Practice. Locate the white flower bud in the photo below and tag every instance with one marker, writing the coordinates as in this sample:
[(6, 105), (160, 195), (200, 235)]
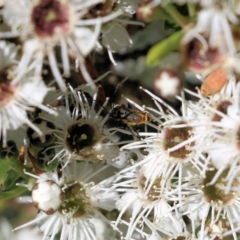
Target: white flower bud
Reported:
[(167, 84), (47, 196)]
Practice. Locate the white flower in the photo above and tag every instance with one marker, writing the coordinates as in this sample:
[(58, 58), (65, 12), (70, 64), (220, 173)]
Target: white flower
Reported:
[(217, 117), (83, 200), (19, 98), (171, 147), (214, 20), (82, 133), (225, 149), (212, 211), (142, 199), (42, 25)]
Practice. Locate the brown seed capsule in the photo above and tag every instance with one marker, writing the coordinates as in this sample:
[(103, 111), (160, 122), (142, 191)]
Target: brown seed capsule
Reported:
[(214, 82)]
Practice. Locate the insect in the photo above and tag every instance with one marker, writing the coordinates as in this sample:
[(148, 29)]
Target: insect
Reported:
[(214, 82), (126, 117)]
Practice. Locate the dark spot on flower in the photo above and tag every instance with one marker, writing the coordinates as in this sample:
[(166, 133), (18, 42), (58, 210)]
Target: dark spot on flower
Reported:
[(238, 137), (222, 107), (6, 88)]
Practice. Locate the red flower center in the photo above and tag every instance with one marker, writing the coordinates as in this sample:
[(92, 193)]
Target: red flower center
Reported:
[(50, 17)]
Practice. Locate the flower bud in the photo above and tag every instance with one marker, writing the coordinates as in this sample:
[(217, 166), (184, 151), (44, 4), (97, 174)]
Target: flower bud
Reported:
[(167, 83), (47, 196), (145, 11)]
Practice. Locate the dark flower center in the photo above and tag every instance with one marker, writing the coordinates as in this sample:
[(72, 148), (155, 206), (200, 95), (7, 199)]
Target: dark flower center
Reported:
[(175, 136), (222, 107), (81, 139), (49, 17), (76, 201), (215, 193), (200, 56)]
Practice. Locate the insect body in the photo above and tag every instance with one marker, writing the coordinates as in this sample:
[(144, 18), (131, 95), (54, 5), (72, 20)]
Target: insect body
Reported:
[(127, 117)]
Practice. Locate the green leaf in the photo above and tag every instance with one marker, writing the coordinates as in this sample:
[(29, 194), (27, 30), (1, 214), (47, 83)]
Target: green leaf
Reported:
[(17, 191), (8, 179), (163, 48), (11, 169)]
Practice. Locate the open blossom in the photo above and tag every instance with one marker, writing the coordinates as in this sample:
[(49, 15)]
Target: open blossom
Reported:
[(224, 150), (142, 199), (215, 20), (96, 168), (210, 43), (16, 99), (82, 133), (44, 24), (217, 117), (171, 147), (79, 204), (214, 214), (146, 185)]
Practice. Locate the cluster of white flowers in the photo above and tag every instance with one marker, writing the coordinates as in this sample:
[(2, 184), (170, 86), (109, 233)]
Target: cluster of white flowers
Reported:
[(156, 172)]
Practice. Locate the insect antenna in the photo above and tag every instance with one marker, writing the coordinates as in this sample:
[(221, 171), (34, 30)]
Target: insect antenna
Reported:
[(124, 80)]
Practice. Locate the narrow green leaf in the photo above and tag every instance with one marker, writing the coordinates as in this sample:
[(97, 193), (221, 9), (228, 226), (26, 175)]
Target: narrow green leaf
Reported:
[(163, 48), (17, 191)]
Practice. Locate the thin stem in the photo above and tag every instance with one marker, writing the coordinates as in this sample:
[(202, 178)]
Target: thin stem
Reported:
[(176, 15), (192, 10)]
